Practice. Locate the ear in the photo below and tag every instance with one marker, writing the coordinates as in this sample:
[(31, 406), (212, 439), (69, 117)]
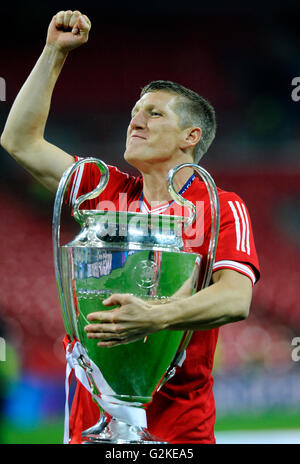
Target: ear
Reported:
[(192, 135)]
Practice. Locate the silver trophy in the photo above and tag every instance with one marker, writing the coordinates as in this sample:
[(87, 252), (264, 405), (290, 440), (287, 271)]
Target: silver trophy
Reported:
[(125, 252)]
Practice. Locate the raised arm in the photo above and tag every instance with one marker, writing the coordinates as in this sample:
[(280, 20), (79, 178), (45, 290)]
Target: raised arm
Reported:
[(23, 134)]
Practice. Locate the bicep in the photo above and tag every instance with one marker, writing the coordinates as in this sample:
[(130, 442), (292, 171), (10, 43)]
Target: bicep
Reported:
[(45, 162)]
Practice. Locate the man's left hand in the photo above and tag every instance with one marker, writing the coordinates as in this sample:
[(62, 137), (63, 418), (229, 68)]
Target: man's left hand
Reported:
[(132, 320)]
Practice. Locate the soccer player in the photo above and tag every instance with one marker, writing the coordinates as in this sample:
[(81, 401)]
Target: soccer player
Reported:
[(169, 125)]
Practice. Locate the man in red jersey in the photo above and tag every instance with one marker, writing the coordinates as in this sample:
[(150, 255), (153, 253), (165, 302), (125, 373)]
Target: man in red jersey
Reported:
[(170, 125)]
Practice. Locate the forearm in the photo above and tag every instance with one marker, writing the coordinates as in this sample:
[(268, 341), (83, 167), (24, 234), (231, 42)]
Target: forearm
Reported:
[(212, 307), (227, 300), (28, 116)]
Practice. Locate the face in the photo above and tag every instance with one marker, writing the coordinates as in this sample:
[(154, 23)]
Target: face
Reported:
[(154, 134)]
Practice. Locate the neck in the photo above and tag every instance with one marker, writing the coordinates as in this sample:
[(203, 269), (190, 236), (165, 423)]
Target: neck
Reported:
[(155, 185)]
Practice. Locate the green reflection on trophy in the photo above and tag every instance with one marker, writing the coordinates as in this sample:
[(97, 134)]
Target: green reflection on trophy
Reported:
[(136, 253)]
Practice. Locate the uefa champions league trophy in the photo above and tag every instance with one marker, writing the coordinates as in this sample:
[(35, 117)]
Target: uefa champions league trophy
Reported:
[(124, 252)]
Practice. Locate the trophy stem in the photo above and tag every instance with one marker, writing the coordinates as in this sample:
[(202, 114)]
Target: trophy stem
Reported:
[(98, 427), (115, 431)]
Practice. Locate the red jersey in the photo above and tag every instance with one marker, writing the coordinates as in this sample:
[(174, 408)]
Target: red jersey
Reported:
[(183, 410)]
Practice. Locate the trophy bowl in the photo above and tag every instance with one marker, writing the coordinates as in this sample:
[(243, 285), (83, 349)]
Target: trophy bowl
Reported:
[(121, 252)]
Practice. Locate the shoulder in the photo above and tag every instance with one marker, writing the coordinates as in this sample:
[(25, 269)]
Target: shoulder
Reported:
[(199, 189), (122, 180), (87, 177), (229, 201), (91, 171)]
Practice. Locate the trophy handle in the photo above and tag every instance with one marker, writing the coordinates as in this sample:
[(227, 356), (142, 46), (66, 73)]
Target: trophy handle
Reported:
[(179, 198), (97, 191), (214, 207), (70, 326), (214, 234)]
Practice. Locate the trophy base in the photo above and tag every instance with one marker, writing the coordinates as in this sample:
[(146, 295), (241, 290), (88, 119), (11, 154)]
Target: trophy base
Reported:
[(118, 432)]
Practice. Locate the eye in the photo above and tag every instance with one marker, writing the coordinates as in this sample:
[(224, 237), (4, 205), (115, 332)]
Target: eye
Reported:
[(155, 113)]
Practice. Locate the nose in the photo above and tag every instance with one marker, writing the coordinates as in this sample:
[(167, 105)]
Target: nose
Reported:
[(138, 121)]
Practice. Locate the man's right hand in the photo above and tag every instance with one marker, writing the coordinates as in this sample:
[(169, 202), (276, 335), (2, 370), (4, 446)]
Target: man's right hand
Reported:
[(23, 134), (68, 30)]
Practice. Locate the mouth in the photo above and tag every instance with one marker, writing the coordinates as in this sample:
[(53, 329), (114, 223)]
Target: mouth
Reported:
[(137, 136)]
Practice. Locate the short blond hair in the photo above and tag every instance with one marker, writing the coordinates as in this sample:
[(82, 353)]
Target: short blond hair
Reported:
[(192, 109)]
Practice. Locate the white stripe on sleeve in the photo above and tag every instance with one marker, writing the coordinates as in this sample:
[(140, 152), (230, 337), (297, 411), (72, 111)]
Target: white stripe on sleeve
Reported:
[(237, 225), (241, 226), (248, 229), (236, 266)]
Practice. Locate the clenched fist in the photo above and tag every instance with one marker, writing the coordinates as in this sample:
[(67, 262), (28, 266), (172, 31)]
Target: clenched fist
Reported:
[(68, 30)]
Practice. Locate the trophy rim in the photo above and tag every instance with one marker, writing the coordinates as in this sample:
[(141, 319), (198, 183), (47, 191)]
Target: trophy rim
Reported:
[(86, 213), (130, 247)]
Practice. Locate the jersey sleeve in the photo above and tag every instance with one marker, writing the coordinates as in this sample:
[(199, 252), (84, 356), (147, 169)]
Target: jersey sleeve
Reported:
[(86, 178), (236, 247)]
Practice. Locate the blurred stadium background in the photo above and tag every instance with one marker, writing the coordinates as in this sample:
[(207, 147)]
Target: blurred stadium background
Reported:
[(243, 59)]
